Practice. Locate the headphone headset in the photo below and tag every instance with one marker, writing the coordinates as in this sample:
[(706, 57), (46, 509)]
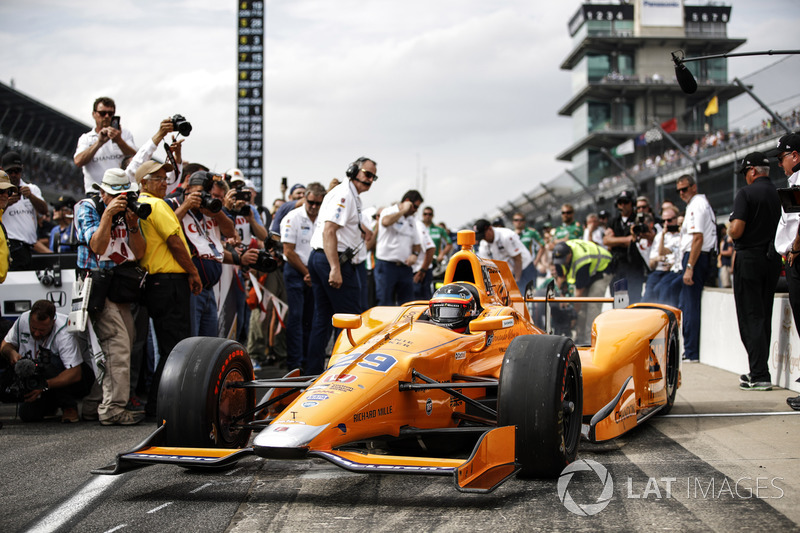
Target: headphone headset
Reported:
[(355, 167)]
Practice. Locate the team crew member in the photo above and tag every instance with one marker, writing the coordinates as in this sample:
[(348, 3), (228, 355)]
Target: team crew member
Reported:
[(423, 273), (698, 239), (6, 189), (109, 238), (756, 211), (41, 336), (337, 238), (297, 227), (787, 239), (172, 277), (504, 245), (587, 266), (398, 248)]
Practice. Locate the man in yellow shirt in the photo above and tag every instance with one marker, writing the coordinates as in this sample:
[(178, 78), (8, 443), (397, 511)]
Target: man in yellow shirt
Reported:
[(171, 274), (6, 188)]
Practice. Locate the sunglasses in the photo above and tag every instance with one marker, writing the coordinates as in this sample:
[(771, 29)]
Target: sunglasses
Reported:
[(682, 190), (519, 220), (121, 187), (156, 178), (668, 220), (567, 212), (105, 113), (313, 204), (6, 191), (781, 156), (370, 175), (14, 171), (427, 214)]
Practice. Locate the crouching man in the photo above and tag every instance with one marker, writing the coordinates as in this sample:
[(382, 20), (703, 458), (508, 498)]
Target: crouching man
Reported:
[(42, 365)]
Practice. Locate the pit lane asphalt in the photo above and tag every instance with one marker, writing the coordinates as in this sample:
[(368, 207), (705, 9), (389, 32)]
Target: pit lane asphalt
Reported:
[(692, 474)]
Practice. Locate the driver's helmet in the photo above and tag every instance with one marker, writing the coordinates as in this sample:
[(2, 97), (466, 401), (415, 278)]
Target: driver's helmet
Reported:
[(454, 305)]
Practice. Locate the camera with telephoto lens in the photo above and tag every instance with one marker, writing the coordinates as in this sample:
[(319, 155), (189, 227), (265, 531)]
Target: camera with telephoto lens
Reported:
[(210, 203), (139, 209), (639, 225), (26, 376), (181, 125)]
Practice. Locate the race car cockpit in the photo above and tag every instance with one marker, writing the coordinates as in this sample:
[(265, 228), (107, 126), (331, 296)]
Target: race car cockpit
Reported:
[(454, 306)]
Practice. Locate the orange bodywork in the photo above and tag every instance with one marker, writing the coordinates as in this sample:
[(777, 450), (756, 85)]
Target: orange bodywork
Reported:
[(368, 392)]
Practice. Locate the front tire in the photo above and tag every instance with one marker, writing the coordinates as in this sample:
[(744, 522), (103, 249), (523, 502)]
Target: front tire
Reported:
[(195, 401), (541, 392), (673, 366)]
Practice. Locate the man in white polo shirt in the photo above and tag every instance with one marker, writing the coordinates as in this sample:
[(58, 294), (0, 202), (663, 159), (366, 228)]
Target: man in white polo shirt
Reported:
[(338, 237), (698, 240), (504, 244), (397, 249), (297, 227)]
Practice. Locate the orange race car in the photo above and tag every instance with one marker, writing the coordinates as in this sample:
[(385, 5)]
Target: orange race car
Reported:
[(464, 385)]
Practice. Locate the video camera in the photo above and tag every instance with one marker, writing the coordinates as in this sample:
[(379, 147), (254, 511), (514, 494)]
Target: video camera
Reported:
[(639, 226), (26, 376)]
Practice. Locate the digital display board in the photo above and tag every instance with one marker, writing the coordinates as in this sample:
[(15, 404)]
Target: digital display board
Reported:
[(250, 91)]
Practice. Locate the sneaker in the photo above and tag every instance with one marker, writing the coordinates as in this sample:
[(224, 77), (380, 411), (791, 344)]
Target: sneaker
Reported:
[(756, 385), (794, 403), (69, 415), (256, 365), (123, 418), (135, 405), (744, 378), (687, 360), (89, 416)]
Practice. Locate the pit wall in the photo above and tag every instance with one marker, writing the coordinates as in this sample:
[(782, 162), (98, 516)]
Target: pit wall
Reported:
[(721, 346)]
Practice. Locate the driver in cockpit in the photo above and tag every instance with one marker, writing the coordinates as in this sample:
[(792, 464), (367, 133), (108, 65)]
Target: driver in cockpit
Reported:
[(454, 306)]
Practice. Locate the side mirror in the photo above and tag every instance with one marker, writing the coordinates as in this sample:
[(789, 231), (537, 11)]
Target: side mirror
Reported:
[(348, 323)]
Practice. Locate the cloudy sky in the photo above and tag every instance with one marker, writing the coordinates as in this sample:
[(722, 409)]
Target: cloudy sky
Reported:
[(457, 98)]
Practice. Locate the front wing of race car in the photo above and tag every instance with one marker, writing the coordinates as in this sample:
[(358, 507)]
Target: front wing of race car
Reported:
[(491, 462)]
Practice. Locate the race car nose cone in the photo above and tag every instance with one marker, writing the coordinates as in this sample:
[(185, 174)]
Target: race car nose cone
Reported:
[(283, 440)]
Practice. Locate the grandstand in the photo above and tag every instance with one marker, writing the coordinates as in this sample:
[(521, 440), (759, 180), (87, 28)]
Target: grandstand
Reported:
[(624, 91), (46, 139)]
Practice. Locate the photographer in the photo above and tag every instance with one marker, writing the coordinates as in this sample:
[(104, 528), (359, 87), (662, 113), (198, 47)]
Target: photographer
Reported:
[(110, 244), (55, 376), (621, 239), (665, 268), (204, 225)]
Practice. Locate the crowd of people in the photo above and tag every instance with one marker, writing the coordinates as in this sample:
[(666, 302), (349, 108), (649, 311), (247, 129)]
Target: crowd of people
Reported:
[(172, 250)]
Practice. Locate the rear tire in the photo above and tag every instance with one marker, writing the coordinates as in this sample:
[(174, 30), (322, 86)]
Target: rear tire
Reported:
[(541, 392), (194, 401)]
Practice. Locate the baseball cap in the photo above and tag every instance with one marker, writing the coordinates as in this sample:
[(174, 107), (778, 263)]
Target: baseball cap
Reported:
[(498, 222), (116, 181), (5, 182), (235, 173), (11, 160), (63, 201), (249, 184), (201, 177), (787, 143), (603, 214), (561, 252), (296, 186), (625, 197), (753, 159), (480, 228), (150, 167)]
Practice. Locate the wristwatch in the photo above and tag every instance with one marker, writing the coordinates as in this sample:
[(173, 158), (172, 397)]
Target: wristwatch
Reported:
[(689, 267)]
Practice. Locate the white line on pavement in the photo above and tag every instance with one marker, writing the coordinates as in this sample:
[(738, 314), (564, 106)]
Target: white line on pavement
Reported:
[(156, 509), (201, 487), (74, 505)]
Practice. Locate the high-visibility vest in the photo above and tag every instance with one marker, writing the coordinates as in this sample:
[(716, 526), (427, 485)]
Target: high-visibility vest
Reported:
[(587, 253)]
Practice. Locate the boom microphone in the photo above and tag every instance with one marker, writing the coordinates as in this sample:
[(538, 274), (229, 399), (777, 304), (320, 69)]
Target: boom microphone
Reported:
[(685, 79), (25, 367)]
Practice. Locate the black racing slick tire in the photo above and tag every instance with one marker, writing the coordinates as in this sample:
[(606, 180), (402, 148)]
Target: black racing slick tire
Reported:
[(541, 393), (673, 366), (195, 400)]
